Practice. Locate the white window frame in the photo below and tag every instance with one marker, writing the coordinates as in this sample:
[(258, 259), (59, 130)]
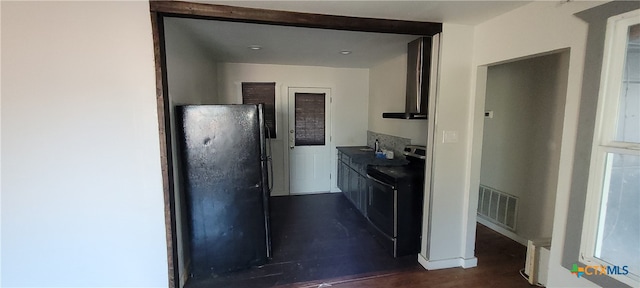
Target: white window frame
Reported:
[(603, 140)]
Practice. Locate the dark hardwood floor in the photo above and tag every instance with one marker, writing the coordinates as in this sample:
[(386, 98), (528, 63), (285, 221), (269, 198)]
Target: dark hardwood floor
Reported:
[(499, 262), (323, 236), (314, 237)]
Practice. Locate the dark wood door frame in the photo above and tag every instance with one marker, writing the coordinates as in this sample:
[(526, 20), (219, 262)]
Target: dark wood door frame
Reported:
[(161, 9)]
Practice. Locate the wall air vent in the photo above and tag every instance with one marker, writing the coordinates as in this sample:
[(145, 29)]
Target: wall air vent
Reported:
[(498, 207)]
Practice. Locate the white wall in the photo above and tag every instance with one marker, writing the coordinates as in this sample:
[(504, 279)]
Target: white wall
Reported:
[(191, 71), (191, 79), (520, 33), (387, 87), (82, 201), (350, 92), (520, 149), (451, 237), (549, 108)]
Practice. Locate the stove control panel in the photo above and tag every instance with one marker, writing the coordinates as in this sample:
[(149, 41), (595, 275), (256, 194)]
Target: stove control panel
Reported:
[(416, 151)]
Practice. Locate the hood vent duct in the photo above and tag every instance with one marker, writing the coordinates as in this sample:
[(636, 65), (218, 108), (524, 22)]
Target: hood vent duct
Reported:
[(422, 64)]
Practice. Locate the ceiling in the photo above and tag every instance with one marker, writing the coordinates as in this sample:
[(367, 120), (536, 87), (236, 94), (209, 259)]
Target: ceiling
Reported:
[(230, 41)]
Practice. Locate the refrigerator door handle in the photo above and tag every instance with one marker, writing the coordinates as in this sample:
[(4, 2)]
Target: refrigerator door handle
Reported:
[(270, 174), (269, 160)]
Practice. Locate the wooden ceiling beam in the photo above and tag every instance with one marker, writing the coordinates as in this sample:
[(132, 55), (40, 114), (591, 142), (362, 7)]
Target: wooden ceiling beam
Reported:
[(295, 19)]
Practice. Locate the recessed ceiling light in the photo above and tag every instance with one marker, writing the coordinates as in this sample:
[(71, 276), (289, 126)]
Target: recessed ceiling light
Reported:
[(345, 52), (255, 47)]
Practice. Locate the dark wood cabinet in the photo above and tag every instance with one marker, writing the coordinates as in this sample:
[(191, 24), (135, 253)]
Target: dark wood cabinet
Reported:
[(352, 181), (341, 173), (363, 191), (353, 187)]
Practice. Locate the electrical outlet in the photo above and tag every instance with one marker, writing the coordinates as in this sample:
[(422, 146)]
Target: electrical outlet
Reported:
[(488, 114)]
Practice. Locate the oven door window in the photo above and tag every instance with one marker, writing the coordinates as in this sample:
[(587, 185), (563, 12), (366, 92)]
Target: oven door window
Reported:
[(382, 206)]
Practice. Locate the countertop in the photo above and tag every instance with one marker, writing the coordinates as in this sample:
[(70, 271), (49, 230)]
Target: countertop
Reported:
[(368, 157)]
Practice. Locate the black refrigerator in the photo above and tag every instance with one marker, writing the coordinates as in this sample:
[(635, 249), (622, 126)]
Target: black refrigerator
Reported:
[(225, 159)]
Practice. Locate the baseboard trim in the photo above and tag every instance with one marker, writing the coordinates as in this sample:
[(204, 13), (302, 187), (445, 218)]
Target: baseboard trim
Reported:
[(469, 263), (505, 232), (447, 263)]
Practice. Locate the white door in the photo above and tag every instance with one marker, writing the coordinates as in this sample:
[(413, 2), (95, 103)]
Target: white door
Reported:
[(309, 137)]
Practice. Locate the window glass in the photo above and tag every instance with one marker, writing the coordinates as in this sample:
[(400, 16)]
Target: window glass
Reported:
[(628, 122), (618, 239)]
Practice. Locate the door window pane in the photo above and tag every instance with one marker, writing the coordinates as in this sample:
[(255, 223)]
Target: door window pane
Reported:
[(628, 122), (618, 240), (309, 119)]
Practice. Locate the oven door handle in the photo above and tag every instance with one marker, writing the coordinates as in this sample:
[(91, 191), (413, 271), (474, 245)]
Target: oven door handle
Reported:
[(380, 182)]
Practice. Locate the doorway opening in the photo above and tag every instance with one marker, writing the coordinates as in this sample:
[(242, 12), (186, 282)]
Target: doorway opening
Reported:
[(177, 235), (524, 104)]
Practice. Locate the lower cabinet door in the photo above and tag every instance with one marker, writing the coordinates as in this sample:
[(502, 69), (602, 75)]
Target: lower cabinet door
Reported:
[(364, 192), (340, 180), (353, 186)]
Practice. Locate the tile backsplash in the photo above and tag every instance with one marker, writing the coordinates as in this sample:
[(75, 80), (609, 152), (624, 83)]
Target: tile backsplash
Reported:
[(388, 142)]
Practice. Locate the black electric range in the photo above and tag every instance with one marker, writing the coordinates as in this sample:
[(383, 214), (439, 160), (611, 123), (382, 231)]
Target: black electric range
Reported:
[(393, 174), (395, 203)]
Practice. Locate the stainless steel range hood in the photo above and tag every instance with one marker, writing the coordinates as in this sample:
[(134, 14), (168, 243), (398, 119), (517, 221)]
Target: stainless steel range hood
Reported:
[(422, 66)]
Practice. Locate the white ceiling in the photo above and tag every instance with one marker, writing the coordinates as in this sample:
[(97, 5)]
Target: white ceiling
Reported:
[(229, 41)]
